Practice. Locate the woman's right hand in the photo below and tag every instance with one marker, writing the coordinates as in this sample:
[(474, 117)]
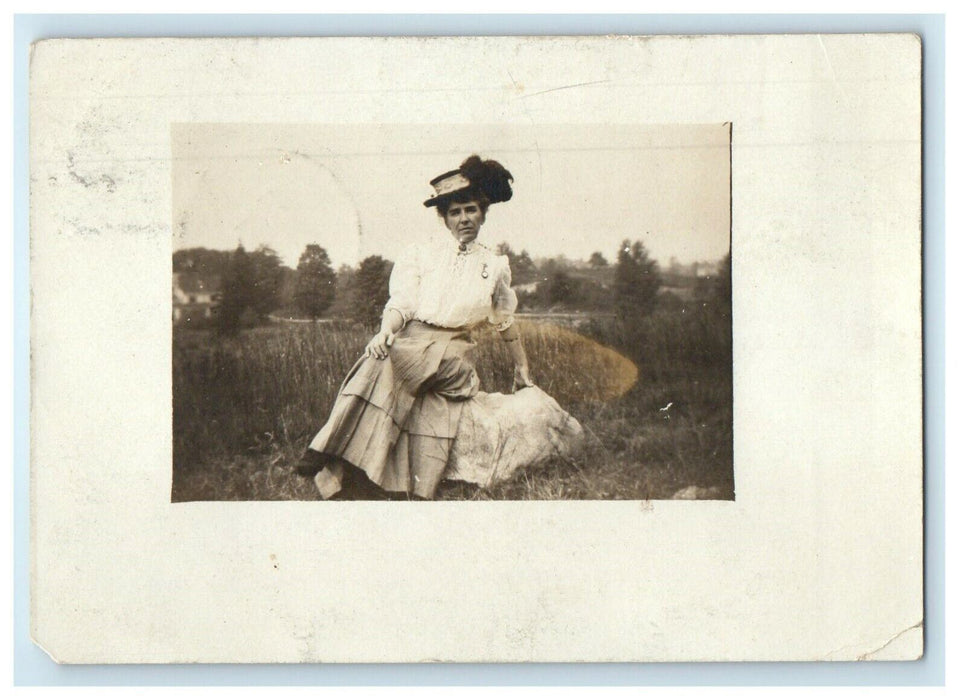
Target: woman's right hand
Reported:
[(379, 346), (521, 378)]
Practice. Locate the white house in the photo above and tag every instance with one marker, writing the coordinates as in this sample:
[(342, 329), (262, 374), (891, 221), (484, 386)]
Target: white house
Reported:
[(192, 297)]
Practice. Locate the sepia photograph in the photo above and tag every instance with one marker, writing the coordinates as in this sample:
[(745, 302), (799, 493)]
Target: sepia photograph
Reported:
[(454, 313)]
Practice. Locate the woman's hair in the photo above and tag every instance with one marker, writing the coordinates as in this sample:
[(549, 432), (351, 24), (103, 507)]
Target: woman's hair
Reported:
[(472, 195)]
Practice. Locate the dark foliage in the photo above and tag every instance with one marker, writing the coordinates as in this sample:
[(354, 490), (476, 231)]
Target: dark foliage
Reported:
[(637, 280), (566, 291), (248, 285), (207, 263), (675, 336), (522, 268), (237, 293), (315, 282), (267, 276), (371, 290), (342, 307)]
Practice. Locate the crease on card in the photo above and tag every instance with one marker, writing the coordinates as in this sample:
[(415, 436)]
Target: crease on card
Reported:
[(560, 87), (831, 68), (285, 157), (906, 644), (886, 651)]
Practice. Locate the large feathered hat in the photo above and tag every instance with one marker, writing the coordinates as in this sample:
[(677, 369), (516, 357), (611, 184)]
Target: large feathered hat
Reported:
[(486, 177)]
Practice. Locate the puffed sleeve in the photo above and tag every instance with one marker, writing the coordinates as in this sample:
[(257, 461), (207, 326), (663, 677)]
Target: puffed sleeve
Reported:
[(504, 298), (404, 284)]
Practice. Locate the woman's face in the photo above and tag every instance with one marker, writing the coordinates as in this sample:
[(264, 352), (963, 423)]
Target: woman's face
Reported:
[(464, 219)]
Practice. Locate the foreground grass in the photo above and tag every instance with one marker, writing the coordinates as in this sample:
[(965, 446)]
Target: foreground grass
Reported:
[(245, 409)]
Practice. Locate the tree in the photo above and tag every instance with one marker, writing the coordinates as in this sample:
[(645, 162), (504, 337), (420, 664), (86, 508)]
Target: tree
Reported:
[(562, 289), (236, 292), (315, 284), (267, 282), (286, 289), (522, 269), (548, 266), (210, 264), (371, 290), (636, 281), (343, 306), (597, 259)]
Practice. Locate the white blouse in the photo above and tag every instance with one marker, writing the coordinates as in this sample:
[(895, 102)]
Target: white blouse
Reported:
[(438, 284)]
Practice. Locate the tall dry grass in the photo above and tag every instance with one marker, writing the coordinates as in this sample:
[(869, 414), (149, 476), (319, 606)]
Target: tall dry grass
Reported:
[(245, 408)]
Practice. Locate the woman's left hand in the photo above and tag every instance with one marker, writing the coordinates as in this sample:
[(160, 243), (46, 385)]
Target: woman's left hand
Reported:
[(521, 377), (379, 346)]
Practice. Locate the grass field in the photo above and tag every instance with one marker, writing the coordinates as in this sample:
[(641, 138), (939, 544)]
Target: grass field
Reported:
[(245, 408)]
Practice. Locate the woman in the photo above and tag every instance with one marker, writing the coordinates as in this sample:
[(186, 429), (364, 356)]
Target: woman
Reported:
[(394, 421)]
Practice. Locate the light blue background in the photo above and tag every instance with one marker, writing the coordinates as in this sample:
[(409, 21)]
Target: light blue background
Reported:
[(33, 667)]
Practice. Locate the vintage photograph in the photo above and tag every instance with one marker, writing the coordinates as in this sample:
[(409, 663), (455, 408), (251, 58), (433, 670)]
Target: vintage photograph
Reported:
[(454, 312)]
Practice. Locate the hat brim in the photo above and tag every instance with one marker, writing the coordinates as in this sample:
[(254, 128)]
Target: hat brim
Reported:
[(444, 198)]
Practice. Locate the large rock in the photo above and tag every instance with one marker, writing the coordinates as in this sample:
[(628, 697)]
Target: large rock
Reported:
[(697, 493), (499, 434)]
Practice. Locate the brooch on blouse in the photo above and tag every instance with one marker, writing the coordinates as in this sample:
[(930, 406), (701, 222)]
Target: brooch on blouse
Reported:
[(484, 274)]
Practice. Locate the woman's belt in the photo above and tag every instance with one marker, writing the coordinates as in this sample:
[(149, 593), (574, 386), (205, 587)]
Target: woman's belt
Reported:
[(433, 326)]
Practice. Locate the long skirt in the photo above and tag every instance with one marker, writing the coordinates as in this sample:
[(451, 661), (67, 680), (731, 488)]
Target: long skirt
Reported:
[(396, 418)]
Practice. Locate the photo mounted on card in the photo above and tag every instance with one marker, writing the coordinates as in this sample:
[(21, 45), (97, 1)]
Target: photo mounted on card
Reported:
[(618, 357)]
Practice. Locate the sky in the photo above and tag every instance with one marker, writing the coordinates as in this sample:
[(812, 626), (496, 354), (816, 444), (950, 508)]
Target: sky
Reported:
[(357, 190)]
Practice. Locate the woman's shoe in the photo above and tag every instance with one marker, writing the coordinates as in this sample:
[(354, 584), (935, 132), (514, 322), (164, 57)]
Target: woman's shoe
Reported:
[(312, 463)]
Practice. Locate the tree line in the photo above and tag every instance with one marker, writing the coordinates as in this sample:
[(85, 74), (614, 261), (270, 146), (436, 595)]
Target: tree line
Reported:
[(255, 284), (633, 286)]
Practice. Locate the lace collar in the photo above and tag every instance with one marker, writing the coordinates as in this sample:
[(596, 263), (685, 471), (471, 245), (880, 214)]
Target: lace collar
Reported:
[(451, 244)]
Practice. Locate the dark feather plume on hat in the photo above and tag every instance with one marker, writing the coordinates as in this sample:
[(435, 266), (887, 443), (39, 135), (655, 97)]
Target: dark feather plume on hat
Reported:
[(489, 176)]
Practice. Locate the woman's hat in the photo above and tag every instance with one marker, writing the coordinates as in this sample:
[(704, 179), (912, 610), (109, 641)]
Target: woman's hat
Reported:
[(486, 177)]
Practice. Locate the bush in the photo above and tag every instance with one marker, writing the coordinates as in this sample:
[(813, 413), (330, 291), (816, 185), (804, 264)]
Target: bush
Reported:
[(669, 342)]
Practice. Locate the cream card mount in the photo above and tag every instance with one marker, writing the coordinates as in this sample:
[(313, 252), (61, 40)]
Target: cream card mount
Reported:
[(818, 555)]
